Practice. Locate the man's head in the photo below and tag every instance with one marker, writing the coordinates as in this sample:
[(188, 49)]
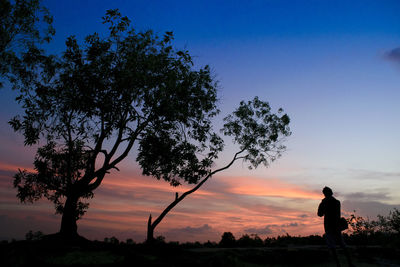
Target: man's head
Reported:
[(327, 191)]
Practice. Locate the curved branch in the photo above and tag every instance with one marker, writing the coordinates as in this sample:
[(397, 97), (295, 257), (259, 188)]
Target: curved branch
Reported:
[(194, 189), (97, 182)]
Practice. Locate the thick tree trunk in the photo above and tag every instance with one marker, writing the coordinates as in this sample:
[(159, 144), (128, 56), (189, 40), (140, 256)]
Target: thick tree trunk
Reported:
[(69, 227)]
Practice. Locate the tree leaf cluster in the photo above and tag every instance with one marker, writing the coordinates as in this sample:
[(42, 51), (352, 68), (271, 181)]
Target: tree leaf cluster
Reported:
[(24, 26), (258, 131)]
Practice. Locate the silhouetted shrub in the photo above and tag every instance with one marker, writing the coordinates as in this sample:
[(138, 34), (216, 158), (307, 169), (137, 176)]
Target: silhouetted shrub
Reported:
[(160, 239), (210, 244), (228, 240), (257, 241), (130, 241), (250, 241), (33, 236), (114, 240)]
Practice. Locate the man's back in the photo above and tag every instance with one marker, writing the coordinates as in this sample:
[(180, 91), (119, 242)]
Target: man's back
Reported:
[(330, 209)]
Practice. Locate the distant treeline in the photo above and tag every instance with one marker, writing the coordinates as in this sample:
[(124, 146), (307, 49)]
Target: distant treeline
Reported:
[(385, 231)]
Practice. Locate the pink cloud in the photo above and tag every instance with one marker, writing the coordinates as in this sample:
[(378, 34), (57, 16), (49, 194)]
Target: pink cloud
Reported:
[(255, 186)]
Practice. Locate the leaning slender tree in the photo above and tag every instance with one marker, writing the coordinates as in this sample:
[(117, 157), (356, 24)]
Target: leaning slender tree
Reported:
[(258, 134), (87, 109)]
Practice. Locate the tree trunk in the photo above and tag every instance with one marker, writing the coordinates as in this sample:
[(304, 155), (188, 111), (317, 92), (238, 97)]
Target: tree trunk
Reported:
[(69, 227), (150, 231)]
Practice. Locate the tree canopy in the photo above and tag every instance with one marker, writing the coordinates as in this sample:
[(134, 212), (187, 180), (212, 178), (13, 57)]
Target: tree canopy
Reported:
[(91, 106), (25, 24)]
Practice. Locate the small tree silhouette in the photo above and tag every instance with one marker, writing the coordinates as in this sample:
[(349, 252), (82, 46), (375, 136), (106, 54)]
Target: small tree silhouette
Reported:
[(259, 134)]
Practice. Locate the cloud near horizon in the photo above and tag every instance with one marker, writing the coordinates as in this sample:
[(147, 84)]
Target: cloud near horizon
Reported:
[(7, 167), (275, 228)]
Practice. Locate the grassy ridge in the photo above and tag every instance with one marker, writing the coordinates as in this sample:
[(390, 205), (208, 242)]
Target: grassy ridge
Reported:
[(95, 253)]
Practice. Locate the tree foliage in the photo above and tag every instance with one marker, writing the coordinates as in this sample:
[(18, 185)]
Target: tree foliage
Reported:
[(95, 103), (258, 131), (25, 24)]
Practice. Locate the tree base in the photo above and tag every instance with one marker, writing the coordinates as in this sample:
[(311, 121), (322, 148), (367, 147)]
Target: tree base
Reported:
[(66, 239)]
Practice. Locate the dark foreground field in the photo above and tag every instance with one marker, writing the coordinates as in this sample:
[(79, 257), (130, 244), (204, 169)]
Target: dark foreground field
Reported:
[(45, 253)]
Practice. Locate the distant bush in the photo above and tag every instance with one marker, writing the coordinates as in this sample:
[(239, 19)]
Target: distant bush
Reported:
[(250, 241), (228, 240), (111, 240), (210, 244), (130, 241), (160, 239), (33, 236)]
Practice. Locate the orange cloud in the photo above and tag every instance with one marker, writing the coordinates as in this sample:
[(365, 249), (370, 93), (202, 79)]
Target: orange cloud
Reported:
[(139, 183), (254, 186), (14, 168)]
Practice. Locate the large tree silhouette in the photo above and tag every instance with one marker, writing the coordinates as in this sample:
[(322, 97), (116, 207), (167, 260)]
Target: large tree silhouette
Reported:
[(258, 134), (90, 107)]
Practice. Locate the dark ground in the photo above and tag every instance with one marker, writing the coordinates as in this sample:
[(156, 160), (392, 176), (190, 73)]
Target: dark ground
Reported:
[(94, 253)]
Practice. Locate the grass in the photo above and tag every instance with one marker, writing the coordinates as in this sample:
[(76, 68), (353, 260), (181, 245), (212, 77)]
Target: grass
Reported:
[(45, 253)]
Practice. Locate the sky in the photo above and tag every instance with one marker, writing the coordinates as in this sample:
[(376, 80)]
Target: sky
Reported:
[(333, 66)]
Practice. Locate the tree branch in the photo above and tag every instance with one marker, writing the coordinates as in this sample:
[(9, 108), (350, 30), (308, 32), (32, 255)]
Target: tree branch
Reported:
[(194, 189), (118, 141), (96, 183), (98, 148), (132, 140)]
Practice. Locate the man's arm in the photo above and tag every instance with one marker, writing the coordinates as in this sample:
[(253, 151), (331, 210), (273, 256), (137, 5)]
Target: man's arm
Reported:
[(321, 209)]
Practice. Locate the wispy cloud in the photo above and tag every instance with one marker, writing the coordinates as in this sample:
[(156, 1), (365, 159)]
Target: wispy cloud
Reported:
[(367, 208), (275, 229), (393, 55), (14, 168), (267, 230), (368, 196), (372, 174)]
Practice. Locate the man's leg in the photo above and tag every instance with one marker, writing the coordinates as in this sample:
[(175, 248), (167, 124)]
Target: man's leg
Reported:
[(346, 252), (331, 242), (335, 256)]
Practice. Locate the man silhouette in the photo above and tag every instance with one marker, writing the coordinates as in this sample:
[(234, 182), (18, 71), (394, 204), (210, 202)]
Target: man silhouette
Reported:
[(330, 209)]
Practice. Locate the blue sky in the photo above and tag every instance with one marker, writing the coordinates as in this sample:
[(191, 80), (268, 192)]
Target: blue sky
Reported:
[(325, 62)]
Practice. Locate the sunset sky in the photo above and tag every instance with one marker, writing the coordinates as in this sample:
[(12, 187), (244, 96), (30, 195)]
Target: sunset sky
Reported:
[(333, 66)]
